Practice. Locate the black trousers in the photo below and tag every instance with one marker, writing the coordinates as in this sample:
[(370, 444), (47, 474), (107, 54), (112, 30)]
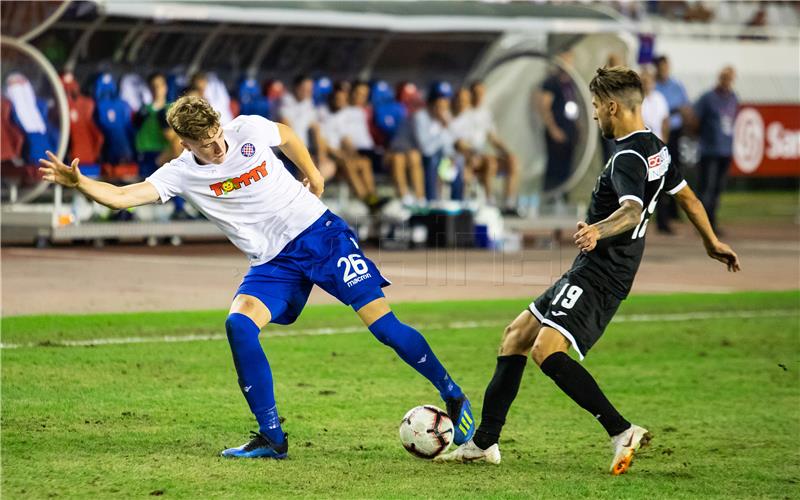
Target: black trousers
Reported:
[(559, 162), (711, 181)]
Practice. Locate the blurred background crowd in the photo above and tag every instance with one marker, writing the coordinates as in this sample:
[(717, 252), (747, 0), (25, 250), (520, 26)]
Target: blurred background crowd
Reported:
[(440, 141), (401, 116)]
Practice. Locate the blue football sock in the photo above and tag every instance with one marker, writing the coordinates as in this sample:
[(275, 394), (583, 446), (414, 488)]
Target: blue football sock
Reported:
[(415, 351), (255, 375)]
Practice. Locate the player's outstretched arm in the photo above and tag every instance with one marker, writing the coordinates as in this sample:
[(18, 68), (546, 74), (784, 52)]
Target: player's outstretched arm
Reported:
[(115, 197), (697, 214), (295, 150), (626, 217)]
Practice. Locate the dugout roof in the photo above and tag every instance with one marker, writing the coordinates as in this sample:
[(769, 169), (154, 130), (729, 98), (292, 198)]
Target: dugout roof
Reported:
[(400, 16)]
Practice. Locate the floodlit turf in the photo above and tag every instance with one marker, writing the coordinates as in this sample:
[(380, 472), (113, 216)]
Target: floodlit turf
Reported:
[(782, 207), (721, 395)]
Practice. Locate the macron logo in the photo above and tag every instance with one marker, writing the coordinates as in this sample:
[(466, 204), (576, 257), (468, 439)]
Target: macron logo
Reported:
[(558, 313), (254, 175)]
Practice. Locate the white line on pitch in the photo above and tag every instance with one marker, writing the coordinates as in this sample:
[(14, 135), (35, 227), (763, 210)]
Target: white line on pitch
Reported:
[(623, 318)]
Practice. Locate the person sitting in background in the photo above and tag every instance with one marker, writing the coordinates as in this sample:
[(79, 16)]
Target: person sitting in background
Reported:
[(715, 113), (463, 127), (298, 112), (359, 119), (402, 156), (151, 123), (338, 130), (156, 142), (433, 138), (485, 133), (408, 94), (273, 90)]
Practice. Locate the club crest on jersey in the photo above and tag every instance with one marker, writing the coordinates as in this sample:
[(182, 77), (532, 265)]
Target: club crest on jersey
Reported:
[(234, 183), (248, 150), (658, 164)]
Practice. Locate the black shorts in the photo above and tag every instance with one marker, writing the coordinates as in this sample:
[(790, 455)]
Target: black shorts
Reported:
[(577, 308)]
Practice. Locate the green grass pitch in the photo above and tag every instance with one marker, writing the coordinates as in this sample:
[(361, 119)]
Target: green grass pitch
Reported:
[(721, 393)]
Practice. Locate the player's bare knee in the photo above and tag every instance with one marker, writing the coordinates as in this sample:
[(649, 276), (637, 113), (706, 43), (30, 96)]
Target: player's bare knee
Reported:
[(540, 353), (515, 341), (544, 347)]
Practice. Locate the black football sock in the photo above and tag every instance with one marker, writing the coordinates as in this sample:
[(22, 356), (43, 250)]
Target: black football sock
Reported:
[(578, 384), (500, 393)]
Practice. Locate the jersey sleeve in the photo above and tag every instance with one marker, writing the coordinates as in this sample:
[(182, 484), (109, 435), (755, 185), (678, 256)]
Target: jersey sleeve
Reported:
[(168, 181), (674, 181), (266, 129), (629, 176)]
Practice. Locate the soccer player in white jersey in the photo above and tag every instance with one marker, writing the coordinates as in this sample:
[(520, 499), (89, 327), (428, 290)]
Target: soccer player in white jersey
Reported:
[(231, 175)]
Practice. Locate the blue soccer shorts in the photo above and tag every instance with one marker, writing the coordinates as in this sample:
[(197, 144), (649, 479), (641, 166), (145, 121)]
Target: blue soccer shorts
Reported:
[(325, 254)]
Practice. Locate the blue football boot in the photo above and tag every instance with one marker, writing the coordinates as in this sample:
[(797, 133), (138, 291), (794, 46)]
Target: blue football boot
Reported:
[(460, 413), (260, 446)]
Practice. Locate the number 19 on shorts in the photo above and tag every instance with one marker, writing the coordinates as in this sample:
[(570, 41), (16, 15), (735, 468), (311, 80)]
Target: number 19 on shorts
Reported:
[(570, 294)]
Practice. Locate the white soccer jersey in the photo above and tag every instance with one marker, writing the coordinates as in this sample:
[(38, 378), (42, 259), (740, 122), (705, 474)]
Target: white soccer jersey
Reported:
[(300, 115), (483, 123), (462, 127), (351, 123), (251, 197)]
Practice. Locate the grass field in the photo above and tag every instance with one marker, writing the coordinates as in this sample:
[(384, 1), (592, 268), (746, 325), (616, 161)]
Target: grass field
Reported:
[(721, 394), (771, 207)]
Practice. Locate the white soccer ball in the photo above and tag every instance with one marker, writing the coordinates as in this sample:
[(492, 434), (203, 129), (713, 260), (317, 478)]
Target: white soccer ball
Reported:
[(426, 431)]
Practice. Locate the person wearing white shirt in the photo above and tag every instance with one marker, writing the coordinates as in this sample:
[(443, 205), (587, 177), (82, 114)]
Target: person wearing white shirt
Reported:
[(463, 126), (342, 130), (293, 242), (485, 135), (431, 135), (655, 110), (296, 109)]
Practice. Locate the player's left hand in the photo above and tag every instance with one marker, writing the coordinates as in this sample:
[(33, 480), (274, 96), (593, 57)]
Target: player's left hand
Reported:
[(586, 237), (725, 254), (315, 185)]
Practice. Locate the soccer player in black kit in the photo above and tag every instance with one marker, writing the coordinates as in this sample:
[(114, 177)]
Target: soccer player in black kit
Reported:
[(576, 309)]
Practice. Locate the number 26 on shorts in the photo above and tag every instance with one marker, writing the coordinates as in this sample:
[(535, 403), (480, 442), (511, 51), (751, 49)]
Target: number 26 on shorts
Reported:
[(354, 266), (573, 293)]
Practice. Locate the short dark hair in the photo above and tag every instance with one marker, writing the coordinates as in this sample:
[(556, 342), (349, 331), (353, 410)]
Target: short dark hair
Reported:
[(200, 75), (298, 79), (660, 59), (153, 76), (619, 82)]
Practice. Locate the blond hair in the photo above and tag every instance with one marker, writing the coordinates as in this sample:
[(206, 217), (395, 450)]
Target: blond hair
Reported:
[(620, 83), (193, 118)]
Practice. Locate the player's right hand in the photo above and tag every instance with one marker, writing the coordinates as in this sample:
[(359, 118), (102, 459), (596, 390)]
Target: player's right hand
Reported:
[(58, 172), (725, 254)]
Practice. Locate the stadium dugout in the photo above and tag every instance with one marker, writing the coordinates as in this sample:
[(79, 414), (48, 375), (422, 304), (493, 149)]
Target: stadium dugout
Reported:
[(510, 46)]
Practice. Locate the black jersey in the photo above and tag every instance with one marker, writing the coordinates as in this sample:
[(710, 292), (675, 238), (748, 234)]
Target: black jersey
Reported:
[(640, 170)]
